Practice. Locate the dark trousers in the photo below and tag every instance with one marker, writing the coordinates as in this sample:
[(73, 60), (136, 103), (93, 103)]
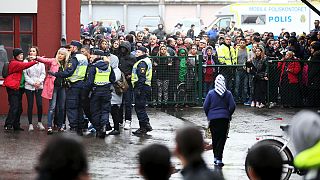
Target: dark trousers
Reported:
[(85, 100), (74, 108), (30, 98), (127, 105), (15, 107), (260, 90), (100, 109), (141, 95), (115, 113), (219, 131)]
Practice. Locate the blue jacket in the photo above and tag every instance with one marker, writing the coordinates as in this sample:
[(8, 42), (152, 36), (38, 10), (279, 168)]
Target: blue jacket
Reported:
[(99, 90), (217, 107)]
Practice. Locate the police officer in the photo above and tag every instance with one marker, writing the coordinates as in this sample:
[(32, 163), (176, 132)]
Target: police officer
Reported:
[(75, 73), (227, 56), (141, 82), (99, 80)]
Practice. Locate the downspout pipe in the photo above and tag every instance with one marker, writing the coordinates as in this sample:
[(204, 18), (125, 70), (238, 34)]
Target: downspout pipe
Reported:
[(63, 22)]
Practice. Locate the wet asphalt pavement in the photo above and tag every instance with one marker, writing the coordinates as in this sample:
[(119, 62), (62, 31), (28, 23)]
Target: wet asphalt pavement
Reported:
[(115, 157)]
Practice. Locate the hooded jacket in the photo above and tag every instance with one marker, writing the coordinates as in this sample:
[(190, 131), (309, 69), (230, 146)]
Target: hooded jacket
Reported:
[(114, 62), (219, 102), (305, 135), (127, 60)]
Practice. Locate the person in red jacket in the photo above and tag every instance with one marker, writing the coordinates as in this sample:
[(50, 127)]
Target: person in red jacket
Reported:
[(289, 82), (14, 84)]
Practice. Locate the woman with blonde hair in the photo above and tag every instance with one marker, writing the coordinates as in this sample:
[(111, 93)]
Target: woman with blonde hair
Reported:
[(54, 88)]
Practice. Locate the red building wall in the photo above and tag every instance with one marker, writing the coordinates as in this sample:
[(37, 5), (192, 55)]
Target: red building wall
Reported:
[(48, 37)]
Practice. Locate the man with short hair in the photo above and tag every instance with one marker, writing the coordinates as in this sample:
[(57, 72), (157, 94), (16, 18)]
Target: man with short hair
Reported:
[(227, 56), (264, 162), (190, 33), (316, 26), (141, 81), (154, 162)]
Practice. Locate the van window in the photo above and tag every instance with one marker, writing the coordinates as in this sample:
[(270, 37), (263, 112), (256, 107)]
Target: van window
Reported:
[(224, 23), (253, 19)]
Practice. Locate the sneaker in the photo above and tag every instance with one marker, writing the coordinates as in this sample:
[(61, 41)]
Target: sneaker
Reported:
[(253, 104), (50, 131), (140, 132), (64, 126), (31, 127), (121, 125), (257, 104), (218, 163), (114, 132), (8, 127), (247, 103), (40, 126), (61, 129), (127, 125), (261, 106)]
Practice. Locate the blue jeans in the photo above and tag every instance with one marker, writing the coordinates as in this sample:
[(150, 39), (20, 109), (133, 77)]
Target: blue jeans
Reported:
[(127, 104), (241, 89), (141, 95), (58, 101)]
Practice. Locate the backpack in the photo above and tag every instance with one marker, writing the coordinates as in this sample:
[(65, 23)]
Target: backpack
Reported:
[(5, 69), (121, 85)]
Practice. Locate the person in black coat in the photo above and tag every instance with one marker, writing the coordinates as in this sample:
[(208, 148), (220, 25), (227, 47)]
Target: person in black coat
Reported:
[(126, 62), (314, 76)]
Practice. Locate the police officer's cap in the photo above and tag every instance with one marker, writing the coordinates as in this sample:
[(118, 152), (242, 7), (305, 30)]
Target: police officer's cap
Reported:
[(98, 52), (76, 43)]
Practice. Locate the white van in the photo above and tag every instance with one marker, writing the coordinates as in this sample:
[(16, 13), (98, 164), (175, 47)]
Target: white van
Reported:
[(150, 22), (265, 17)]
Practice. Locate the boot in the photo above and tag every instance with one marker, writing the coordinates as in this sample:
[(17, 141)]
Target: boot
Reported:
[(102, 133), (148, 127), (140, 132), (79, 132)]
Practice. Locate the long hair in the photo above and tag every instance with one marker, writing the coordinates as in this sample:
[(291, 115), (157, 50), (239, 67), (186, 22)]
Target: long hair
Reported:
[(65, 52), (262, 53), (35, 47)]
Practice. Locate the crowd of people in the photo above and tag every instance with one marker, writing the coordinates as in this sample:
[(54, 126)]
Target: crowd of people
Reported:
[(83, 84), (249, 61)]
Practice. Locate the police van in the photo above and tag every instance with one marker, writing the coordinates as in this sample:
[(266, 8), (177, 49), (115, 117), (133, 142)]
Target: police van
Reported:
[(266, 17)]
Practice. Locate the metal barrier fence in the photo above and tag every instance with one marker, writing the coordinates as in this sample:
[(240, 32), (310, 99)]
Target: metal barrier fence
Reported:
[(291, 84), (175, 81), (186, 81)]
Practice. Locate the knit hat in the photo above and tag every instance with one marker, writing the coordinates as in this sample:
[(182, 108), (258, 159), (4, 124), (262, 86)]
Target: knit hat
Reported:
[(305, 130), (220, 86), (16, 51), (143, 49)]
